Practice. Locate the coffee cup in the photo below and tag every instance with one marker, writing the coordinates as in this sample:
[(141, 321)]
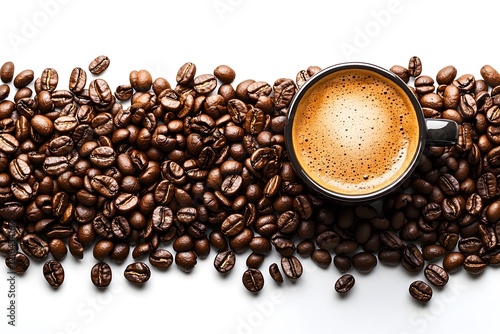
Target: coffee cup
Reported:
[(355, 132)]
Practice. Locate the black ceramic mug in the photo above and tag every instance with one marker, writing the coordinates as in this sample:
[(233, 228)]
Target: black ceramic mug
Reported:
[(355, 132)]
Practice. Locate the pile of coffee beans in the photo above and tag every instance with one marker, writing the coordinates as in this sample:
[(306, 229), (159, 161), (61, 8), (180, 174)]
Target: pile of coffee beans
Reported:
[(202, 166)]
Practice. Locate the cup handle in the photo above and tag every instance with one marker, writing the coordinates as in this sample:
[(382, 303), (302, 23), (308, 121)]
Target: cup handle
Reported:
[(441, 132)]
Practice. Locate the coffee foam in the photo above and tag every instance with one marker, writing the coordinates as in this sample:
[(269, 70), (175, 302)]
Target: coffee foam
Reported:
[(355, 132)]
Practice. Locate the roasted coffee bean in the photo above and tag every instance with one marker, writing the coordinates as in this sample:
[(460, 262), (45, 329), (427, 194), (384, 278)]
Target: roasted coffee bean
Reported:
[(99, 65), (446, 75), (344, 284), (162, 218), (205, 83), (8, 143), (414, 67), (322, 258), (137, 272), (4, 91), (124, 92), (161, 258), (17, 262), (432, 252), (75, 246), (253, 280), (449, 184), (218, 241), (101, 275), (105, 185), (141, 80), (58, 249), (436, 275), (254, 121), (103, 157), (100, 93), (490, 75), (391, 257), (49, 79), (283, 245), (413, 260), (328, 240), (126, 202), (258, 88), (42, 124), (260, 245), (241, 242), (284, 90), (24, 78), (486, 185), (7, 72), (421, 291), (291, 267), (186, 74), (102, 248), (233, 225), (401, 72), (34, 246), (364, 262), (77, 80), (474, 264), (453, 261), (20, 170), (120, 227), (391, 240), (224, 73), (53, 273), (275, 273), (183, 243), (232, 185), (225, 261), (186, 260)]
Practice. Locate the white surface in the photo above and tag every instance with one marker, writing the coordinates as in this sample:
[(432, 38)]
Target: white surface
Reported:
[(262, 40)]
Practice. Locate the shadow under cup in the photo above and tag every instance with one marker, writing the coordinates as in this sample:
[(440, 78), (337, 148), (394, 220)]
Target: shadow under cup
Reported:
[(355, 132)]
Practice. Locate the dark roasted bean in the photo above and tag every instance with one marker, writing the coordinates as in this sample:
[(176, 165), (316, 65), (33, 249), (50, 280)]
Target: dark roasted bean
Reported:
[(421, 291), (344, 284), (137, 272), (53, 273), (224, 261), (161, 258), (436, 275), (100, 275), (99, 65)]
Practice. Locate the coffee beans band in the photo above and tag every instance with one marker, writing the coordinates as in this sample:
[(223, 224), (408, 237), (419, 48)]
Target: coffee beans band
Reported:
[(202, 165)]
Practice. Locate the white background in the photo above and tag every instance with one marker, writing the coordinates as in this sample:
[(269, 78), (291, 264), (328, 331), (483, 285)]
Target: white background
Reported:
[(262, 40)]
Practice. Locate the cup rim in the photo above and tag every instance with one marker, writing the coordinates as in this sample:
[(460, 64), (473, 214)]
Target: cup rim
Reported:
[(362, 198)]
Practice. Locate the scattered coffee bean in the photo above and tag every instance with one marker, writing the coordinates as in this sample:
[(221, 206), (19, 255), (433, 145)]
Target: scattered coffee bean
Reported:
[(224, 73), (101, 275), (224, 261), (7, 72), (99, 65), (137, 272), (436, 275), (364, 262), (17, 262), (53, 273), (186, 260), (344, 284), (161, 259), (291, 266), (253, 280), (275, 273), (421, 291)]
